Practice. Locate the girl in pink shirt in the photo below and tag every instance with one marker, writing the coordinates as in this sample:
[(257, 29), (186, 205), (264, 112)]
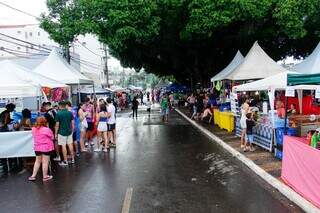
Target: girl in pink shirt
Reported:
[(43, 146)]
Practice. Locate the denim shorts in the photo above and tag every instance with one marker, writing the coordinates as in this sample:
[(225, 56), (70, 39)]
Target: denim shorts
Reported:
[(250, 138)]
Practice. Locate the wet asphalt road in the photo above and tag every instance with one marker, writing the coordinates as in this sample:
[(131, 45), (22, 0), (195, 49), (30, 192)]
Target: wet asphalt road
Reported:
[(170, 167)]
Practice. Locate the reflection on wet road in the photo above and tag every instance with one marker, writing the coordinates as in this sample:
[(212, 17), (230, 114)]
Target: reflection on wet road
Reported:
[(170, 167)]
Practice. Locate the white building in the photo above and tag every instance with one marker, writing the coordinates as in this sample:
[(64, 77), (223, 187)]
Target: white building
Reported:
[(29, 45)]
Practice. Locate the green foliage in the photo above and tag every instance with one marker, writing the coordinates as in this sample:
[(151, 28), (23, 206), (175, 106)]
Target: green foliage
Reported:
[(188, 39)]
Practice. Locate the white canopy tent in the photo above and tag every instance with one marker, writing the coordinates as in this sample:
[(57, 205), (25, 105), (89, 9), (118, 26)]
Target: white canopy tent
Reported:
[(55, 67), (273, 83), (256, 65), (278, 81), (88, 89), (311, 64), (236, 61), (17, 81), (270, 84)]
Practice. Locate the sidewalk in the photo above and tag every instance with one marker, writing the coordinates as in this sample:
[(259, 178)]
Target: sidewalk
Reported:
[(262, 162)]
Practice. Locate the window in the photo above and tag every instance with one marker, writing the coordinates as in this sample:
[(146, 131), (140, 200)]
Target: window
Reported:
[(30, 34)]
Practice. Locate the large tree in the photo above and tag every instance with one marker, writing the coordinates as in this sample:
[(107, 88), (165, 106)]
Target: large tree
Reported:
[(189, 39)]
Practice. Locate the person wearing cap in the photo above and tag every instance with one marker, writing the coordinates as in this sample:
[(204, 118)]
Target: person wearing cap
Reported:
[(315, 138)]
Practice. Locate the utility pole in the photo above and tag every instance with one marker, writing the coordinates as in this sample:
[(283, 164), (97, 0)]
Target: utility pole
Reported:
[(106, 71)]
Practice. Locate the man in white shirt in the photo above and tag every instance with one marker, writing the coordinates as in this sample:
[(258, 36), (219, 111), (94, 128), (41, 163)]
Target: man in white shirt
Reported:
[(111, 122)]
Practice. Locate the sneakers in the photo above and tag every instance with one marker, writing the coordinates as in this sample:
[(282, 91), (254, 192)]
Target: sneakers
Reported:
[(106, 150), (57, 158), (63, 163), (91, 143), (73, 161), (86, 144), (97, 150)]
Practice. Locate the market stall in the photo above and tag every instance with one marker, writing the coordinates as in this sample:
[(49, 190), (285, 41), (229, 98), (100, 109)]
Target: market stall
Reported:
[(16, 144), (16, 85), (300, 165), (267, 122), (56, 68), (300, 168), (256, 65)]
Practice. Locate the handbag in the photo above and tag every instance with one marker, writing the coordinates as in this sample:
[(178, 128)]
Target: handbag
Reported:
[(84, 123)]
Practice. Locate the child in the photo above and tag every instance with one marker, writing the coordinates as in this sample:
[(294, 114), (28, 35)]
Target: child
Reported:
[(250, 124), (315, 138)]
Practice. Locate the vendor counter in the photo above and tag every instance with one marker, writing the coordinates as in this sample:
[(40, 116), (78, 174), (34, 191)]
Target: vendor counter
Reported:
[(225, 120), (301, 168), (16, 144), (262, 134)]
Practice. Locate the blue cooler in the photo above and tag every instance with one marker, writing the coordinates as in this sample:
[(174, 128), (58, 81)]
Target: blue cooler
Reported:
[(292, 131)]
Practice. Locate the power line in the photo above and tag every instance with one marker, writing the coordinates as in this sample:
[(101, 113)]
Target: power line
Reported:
[(84, 61), (24, 41), (15, 54), (88, 65), (21, 45), (88, 49), (22, 52), (13, 8)]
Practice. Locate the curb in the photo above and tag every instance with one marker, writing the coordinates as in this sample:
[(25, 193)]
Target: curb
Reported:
[(281, 187)]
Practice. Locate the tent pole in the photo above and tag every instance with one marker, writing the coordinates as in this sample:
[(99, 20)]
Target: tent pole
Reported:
[(286, 115), (79, 96), (94, 92)]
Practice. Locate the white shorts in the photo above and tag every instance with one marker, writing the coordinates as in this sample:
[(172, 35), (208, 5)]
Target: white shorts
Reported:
[(102, 127), (243, 123), (63, 140), (82, 128)]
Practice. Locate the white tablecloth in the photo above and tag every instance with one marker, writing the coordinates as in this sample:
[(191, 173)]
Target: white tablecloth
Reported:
[(16, 144)]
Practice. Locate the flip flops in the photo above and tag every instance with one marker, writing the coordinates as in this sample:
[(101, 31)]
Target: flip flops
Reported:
[(49, 177), (31, 178)]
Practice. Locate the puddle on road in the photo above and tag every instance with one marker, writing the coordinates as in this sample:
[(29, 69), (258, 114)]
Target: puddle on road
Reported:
[(219, 167)]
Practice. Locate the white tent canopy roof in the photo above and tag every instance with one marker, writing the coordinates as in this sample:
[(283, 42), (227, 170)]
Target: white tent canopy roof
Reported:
[(236, 61), (17, 81), (278, 81), (311, 64), (256, 65), (56, 68), (14, 84)]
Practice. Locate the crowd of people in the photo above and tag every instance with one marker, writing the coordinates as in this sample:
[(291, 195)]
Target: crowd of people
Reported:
[(201, 105), (61, 133)]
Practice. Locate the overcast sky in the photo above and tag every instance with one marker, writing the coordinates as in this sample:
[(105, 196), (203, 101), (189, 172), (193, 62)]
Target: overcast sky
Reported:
[(9, 16)]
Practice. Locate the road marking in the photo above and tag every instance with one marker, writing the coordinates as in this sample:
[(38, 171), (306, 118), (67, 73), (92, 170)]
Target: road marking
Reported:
[(127, 201)]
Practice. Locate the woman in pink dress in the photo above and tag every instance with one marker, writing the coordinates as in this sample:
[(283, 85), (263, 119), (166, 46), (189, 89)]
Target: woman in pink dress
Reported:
[(43, 147)]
